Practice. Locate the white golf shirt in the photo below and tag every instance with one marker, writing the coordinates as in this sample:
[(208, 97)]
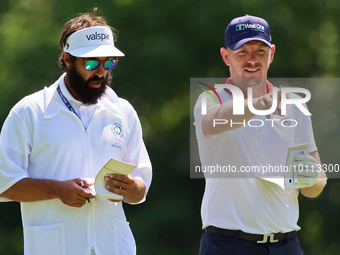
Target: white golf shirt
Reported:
[(42, 139), (246, 202)]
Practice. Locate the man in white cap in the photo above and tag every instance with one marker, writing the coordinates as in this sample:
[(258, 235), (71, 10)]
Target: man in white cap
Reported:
[(55, 141), (249, 215)]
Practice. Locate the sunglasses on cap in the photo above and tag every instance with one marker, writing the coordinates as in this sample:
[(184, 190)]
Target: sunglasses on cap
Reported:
[(93, 64)]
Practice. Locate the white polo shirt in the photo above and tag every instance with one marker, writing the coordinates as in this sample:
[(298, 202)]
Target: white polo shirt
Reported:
[(42, 139), (248, 203)]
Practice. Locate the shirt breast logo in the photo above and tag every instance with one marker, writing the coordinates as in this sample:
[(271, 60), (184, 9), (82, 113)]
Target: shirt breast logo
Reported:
[(117, 129), (117, 145)]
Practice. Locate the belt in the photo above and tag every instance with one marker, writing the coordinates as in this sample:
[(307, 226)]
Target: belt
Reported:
[(267, 238)]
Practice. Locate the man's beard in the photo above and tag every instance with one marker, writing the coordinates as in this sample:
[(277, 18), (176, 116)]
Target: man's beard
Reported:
[(252, 82), (82, 89)]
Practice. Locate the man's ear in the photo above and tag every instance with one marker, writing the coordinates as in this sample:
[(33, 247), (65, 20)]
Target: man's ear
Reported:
[(66, 58), (225, 56), (272, 53)]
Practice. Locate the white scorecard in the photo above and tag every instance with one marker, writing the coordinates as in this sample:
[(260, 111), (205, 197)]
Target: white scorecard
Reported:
[(289, 176)]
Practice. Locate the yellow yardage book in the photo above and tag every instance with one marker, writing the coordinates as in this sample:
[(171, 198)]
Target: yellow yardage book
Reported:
[(113, 166)]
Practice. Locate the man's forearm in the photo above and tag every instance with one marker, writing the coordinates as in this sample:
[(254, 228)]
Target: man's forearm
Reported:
[(69, 192), (137, 193), (224, 112), (316, 189), (31, 190)]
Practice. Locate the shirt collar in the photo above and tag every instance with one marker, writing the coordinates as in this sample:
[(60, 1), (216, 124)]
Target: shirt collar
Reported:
[(269, 87), (109, 102)]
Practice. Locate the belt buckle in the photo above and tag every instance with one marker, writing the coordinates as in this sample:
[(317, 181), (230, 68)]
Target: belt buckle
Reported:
[(265, 238)]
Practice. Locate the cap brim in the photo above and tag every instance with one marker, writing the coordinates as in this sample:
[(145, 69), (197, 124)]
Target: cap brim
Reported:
[(97, 51), (238, 44)]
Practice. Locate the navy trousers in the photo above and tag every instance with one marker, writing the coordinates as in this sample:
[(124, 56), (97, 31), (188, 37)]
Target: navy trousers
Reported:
[(220, 244)]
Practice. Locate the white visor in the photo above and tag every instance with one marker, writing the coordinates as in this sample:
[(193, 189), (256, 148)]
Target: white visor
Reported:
[(92, 42)]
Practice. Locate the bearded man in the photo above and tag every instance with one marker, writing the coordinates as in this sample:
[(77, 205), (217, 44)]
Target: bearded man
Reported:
[(55, 141)]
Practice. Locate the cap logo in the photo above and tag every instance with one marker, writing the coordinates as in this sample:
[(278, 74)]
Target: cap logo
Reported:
[(254, 27), (240, 27), (97, 36)]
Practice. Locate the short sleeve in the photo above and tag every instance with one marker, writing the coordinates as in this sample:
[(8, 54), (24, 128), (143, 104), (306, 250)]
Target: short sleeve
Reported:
[(15, 147), (307, 134)]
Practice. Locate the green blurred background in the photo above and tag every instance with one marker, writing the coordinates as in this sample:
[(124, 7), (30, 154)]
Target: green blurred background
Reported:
[(166, 43)]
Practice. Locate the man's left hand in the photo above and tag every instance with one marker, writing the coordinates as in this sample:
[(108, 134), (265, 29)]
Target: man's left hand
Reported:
[(130, 188), (306, 169)]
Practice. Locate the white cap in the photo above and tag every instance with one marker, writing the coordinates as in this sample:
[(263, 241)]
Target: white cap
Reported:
[(92, 42)]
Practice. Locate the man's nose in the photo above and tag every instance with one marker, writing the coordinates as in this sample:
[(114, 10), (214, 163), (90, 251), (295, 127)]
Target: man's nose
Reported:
[(252, 57), (100, 71)]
